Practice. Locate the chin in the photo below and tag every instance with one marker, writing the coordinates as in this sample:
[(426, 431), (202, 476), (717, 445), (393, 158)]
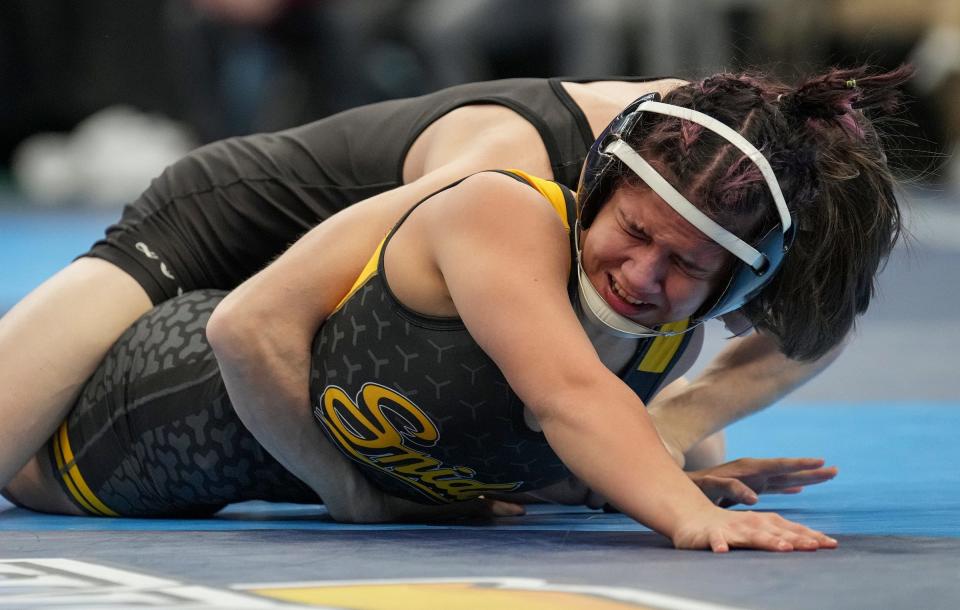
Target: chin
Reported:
[(659, 319), (654, 321)]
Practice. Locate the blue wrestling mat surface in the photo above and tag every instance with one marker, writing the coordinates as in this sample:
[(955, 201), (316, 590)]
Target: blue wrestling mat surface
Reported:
[(895, 507), (900, 479), (35, 245), (886, 414)]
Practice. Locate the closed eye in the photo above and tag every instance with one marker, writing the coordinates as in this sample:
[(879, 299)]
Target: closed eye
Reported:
[(691, 268), (636, 232)]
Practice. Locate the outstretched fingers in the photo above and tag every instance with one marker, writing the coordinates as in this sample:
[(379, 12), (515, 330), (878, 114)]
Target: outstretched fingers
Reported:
[(822, 540), (771, 532), (775, 466), (718, 544), (761, 538), (799, 479), (728, 492)]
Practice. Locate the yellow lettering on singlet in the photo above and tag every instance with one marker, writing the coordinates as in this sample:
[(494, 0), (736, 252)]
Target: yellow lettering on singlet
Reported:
[(662, 350), (365, 433)]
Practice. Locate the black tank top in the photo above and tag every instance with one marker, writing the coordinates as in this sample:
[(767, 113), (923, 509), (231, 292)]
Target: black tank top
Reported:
[(332, 163), (379, 136), (225, 210)]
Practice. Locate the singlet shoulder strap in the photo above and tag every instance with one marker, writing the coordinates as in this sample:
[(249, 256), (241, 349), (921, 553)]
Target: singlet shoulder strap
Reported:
[(564, 203), (654, 358), (560, 198)]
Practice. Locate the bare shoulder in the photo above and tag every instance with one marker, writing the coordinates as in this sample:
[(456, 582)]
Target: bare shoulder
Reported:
[(478, 137), (491, 200), (603, 100), (475, 232)]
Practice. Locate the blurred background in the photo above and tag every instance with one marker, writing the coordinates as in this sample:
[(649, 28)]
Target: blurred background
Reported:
[(100, 95)]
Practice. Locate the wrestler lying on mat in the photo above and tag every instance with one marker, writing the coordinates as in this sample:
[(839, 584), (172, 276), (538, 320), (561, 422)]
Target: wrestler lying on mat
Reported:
[(493, 273)]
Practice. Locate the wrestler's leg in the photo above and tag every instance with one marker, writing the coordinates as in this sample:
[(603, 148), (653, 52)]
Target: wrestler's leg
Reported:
[(50, 343), (210, 220), (35, 487), (153, 432)]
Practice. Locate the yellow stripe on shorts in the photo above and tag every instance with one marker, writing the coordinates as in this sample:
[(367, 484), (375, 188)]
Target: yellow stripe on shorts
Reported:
[(78, 487)]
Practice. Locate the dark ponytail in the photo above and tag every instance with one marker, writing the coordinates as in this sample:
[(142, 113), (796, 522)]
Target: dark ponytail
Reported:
[(848, 220), (821, 140)]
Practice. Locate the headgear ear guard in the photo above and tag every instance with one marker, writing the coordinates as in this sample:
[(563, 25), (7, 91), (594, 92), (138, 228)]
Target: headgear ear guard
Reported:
[(756, 264), (597, 177)]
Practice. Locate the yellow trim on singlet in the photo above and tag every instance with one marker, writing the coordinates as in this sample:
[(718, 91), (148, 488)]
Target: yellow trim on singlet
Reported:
[(551, 191), (369, 270), (78, 487), (662, 350)]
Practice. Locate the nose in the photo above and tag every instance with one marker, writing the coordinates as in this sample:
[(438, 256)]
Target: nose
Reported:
[(644, 271)]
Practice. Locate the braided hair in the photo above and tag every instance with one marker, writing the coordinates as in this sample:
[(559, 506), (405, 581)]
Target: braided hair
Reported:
[(821, 140)]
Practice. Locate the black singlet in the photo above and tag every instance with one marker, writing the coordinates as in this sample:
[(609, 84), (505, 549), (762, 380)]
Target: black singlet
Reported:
[(153, 432), (227, 209)]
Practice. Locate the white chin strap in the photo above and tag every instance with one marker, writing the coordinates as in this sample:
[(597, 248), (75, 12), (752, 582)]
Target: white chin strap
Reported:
[(598, 310)]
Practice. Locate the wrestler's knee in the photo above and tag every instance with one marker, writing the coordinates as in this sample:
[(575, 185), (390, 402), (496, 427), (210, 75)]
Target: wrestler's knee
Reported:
[(33, 488)]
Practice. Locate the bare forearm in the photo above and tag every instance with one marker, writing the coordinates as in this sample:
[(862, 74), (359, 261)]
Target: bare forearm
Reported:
[(617, 453), (268, 384), (268, 389), (747, 376)]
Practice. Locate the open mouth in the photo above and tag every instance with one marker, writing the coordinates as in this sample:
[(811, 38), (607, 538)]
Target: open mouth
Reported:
[(623, 303)]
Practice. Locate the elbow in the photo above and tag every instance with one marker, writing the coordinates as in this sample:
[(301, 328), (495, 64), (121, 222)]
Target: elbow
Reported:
[(231, 330), (250, 335)]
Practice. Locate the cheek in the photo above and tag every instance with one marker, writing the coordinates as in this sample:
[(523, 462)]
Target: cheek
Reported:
[(600, 250), (686, 294)]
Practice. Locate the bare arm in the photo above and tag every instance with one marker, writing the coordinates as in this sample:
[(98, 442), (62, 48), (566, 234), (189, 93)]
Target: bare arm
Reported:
[(504, 258), (262, 333), (748, 375)]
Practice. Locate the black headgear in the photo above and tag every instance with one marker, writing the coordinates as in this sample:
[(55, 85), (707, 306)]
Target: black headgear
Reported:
[(756, 263)]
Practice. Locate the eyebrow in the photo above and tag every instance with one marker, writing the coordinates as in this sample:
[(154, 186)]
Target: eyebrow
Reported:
[(686, 261)]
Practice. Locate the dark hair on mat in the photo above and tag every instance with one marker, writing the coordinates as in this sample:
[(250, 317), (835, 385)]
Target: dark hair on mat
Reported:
[(821, 140)]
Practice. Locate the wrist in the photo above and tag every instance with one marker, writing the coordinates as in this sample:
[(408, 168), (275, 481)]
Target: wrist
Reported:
[(687, 515)]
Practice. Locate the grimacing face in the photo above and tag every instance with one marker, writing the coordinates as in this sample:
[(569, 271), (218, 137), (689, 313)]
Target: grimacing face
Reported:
[(646, 261)]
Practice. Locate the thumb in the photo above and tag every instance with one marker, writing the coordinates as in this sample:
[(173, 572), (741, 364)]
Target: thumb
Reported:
[(735, 492)]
